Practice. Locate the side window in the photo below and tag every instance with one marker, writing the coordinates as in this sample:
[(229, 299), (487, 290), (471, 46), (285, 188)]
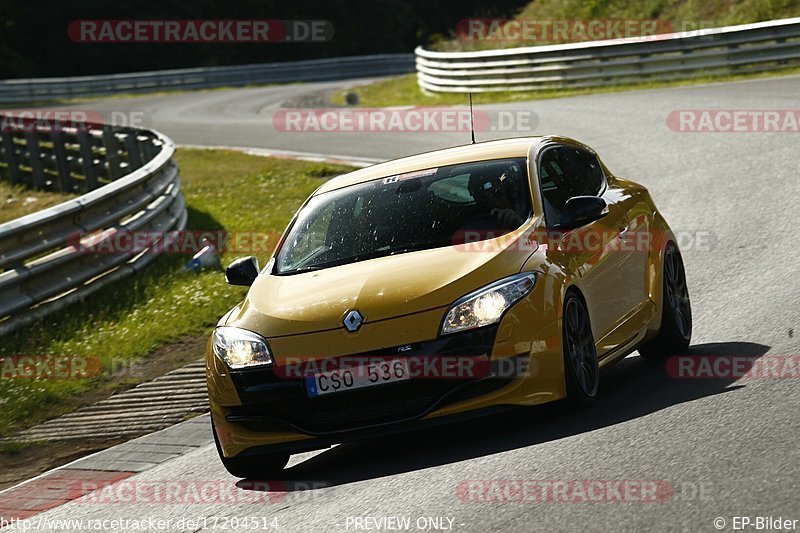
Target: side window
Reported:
[(556, 182), (589, 172), (313, 237), (565, 172)]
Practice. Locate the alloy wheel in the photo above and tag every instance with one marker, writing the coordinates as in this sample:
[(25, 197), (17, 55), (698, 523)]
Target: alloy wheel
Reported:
[(580, 347)]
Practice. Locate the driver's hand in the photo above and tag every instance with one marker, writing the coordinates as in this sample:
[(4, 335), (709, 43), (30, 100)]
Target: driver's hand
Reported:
[(507, 217)]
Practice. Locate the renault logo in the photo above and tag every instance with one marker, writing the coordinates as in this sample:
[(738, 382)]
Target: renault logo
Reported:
[(353, 320)]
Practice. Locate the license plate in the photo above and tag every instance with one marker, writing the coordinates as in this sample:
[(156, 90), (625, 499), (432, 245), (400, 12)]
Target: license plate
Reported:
[(357, 377)]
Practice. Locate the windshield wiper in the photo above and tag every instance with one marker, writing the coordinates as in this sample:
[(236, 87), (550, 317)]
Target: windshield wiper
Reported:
[(308, 268)]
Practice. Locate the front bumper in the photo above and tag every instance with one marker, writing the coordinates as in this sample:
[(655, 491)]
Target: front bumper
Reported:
[(271, 412), (277, 400)]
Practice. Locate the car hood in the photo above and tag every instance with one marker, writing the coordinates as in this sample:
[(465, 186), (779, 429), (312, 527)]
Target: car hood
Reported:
[(380, 288)]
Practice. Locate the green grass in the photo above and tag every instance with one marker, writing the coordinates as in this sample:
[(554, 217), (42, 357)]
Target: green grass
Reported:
[(13, 448), (18, 200), (675, 15), (404, 90), (129, 319)]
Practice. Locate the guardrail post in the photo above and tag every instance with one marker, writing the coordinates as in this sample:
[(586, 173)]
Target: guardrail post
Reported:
[(150, 148), (134, 154), (112, 146), (778, 42), (35, 159), (10, 152), (732, 48), (60, 151), (87, 159)]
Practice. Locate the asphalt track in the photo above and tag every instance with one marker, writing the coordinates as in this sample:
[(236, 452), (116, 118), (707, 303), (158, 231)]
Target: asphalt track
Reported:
[(727, 447)]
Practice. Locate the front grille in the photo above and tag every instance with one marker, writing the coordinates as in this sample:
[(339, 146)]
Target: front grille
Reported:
[(270, 401)]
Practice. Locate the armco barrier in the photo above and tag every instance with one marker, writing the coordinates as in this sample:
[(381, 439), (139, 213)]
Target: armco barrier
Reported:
[(43, 89), (130, 183), (732, 49)]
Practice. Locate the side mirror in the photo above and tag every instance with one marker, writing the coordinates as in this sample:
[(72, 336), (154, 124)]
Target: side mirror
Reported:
[(243, 271), (581, 210)]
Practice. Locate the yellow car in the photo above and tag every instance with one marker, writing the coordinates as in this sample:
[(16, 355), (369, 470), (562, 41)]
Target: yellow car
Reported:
[(437, 287)]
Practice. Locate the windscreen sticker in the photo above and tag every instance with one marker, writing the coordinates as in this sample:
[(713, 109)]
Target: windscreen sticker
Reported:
[(410, 175)]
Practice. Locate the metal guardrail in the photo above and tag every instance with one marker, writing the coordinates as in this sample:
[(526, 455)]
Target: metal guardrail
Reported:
[(39, 89), (131, 183), (732, 49)]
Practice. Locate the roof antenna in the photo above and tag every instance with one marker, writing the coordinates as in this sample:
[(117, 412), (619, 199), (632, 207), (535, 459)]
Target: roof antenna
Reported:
[(471, 120)]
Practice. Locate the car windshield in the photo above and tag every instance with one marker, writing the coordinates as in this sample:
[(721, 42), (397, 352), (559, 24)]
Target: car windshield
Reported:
[(413, 211)]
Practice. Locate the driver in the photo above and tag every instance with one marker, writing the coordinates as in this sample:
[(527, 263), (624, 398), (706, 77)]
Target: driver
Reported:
[(491, 193)]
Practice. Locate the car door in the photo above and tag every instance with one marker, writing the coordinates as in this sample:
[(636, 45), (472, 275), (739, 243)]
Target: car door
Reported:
[(635, 242), (631, 246), (591, 252)]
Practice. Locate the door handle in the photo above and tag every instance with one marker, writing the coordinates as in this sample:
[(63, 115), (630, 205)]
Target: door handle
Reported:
[(623, 232)]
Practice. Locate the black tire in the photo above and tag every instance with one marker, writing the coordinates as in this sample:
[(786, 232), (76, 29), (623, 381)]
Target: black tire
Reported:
[(581, 368), (675, 332), (266, 466)]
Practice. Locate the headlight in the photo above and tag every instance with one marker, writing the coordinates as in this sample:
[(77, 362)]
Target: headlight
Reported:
[(487, 305), (240, 348)]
